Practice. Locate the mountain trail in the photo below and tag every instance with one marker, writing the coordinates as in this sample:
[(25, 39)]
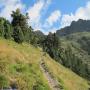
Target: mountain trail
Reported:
[(53, 83)]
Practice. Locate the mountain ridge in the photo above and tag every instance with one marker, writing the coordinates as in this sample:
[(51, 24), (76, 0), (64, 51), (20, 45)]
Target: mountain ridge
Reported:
[(76, 26)]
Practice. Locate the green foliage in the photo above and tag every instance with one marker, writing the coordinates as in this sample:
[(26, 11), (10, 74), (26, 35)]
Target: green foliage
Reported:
[(19, 29), (2, 27), (85, 43), (40, 37), (51, 45), (76, 57), (75, 53), (74, 62), (21, 64), (21, 21), (7, 30), (39, 86), (3, 81), (34, 39), (18, 19), (18, 34)]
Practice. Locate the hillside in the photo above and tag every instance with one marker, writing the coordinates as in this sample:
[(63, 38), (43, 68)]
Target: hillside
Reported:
[(75, 47), (20, 67), (75, 53)]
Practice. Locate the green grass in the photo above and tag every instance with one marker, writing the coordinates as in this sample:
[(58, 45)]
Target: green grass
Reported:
[(68, 79), (20, 66)]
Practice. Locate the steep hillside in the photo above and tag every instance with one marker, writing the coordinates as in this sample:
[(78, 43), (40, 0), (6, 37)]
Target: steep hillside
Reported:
[(20, 67), (76, 53), (75, 47)]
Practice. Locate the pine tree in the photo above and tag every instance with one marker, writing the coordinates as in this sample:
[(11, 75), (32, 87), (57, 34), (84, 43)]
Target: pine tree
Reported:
[(21, 21), (18, 34), (51, 45), (7, 30), (1, 27)]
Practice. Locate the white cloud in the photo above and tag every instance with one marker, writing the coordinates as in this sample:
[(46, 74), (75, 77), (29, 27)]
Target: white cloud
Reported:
[(8, 6), (35, 13), (81, 13), (50, 21), (47, 3), (53, 30), (53, 18)]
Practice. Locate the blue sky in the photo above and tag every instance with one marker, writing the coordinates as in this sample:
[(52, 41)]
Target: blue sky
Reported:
[(48, 15), (65, 6)]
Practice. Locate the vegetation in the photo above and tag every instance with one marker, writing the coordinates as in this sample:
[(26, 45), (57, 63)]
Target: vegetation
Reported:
[(18, 34), (20, 63), (75, 53), (18, 29), (51, 45), (3, 81), (65, 76), (20, 60), (5, 28), (66, 55)]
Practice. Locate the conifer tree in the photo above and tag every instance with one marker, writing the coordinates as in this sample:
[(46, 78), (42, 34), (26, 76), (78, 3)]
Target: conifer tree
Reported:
[(1, 27), (18, 34), (7, 30)]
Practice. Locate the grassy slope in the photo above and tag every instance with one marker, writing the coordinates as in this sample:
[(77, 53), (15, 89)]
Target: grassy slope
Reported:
[(67, 78), (20, 65)]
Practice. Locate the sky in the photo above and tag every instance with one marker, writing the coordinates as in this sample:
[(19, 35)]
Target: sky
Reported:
[(48, 15)]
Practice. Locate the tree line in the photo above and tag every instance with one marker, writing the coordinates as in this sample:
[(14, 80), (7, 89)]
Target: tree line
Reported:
[(18, 29)]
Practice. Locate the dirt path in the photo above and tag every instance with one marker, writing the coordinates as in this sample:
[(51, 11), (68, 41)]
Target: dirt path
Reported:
[(53, 83)]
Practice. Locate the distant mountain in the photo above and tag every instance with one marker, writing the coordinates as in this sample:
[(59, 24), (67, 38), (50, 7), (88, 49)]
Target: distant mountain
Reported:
[(76, 44), (76, 26), (39, 33)]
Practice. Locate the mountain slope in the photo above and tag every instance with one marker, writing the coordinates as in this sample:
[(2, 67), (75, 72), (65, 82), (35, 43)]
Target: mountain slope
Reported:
[(76, 53), (20, 67), (76, 26)]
